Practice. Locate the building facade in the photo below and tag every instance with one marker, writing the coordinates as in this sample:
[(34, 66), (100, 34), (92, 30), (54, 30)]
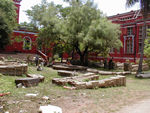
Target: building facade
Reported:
[(131, 25), (21, 39)]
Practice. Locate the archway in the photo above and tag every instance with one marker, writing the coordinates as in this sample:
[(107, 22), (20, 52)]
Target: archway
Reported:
[(27, 43)]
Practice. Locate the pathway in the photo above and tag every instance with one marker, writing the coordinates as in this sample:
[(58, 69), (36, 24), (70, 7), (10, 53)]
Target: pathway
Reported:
[(140, 107)]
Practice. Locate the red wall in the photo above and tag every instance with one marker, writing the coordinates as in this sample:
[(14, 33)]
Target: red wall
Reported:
[(18, 46)]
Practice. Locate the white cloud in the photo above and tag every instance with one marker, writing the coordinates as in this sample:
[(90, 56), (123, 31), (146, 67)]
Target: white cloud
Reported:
[(109, 7)]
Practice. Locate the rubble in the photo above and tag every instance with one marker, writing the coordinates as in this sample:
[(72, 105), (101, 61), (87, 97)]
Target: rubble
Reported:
[(50, 109)]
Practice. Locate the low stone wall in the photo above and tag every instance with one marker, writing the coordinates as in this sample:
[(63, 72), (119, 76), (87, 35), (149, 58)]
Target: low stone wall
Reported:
[(71, 80), (89, 81), (67, 73), (14, 69), (69, 67), (132, 67), (108, 72)]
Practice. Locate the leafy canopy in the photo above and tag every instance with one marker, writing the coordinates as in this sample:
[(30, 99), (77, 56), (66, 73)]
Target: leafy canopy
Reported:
[(7, 21), (88, 29), (80, 26)]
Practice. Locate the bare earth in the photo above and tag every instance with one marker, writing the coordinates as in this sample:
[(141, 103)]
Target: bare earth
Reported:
[(139, 107)]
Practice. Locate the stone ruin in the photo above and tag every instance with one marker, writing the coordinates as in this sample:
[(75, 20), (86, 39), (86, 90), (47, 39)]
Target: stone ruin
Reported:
[(13, 68), (131, 67), (29, 81), (69, 67), (74, 77), (90, 81)]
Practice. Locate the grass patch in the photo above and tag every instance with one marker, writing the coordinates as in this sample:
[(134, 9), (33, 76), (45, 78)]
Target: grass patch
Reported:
[(101, 99)]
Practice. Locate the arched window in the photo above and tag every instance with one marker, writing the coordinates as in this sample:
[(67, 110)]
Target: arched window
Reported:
[(27, 43)]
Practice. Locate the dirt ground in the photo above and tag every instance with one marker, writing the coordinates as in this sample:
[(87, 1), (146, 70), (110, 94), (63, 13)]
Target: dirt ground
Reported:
[(138, 107)]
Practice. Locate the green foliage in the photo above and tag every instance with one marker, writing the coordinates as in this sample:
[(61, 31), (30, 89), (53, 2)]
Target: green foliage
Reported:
[(45, 16), (7, 21), (28, 26), (80, 26), (88, 30), (147, 49)]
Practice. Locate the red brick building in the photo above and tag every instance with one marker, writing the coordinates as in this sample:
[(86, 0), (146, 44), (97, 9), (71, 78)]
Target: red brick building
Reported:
[(131, 36), (28, 42), (131, 24)]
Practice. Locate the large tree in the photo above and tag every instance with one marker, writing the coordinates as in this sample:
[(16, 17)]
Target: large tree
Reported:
[(80, 27), (87, 30), (7, 21), (145, 9)]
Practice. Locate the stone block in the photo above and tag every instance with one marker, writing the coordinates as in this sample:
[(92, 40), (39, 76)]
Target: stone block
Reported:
[(80, 85), (36, 76), (27, 82), (101, 83), (67, 73), (89, 85)]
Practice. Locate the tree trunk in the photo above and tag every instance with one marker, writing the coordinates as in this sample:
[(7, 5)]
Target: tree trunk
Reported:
[(86, 59), (82, 60), (142, 48), (72, 54)]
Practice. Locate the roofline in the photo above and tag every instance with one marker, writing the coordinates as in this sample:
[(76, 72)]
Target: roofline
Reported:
[(132, 11)]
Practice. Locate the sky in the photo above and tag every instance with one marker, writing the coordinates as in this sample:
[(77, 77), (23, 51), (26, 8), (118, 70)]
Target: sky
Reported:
[(108, 7)]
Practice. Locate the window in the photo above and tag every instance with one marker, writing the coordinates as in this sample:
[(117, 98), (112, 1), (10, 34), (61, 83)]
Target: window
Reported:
[(129, 30), (129, 46), (27, 43)]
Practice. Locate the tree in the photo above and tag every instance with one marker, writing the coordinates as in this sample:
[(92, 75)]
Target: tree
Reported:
[(29, 27), (80, 27), (7, 21), (88, 30), (46, 16), (145, 8), (147, 48)]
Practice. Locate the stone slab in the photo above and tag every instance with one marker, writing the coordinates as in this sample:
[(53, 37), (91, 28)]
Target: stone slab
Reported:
[(27, 82), (67, 73), (69, 67), (144, 75), (36, 76)]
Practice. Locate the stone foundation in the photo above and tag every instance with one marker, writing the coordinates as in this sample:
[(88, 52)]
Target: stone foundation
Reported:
[(69, 67), (90, 81), (13, 69)]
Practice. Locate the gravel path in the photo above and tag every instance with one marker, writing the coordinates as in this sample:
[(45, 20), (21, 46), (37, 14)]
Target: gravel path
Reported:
[(140, 107)]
